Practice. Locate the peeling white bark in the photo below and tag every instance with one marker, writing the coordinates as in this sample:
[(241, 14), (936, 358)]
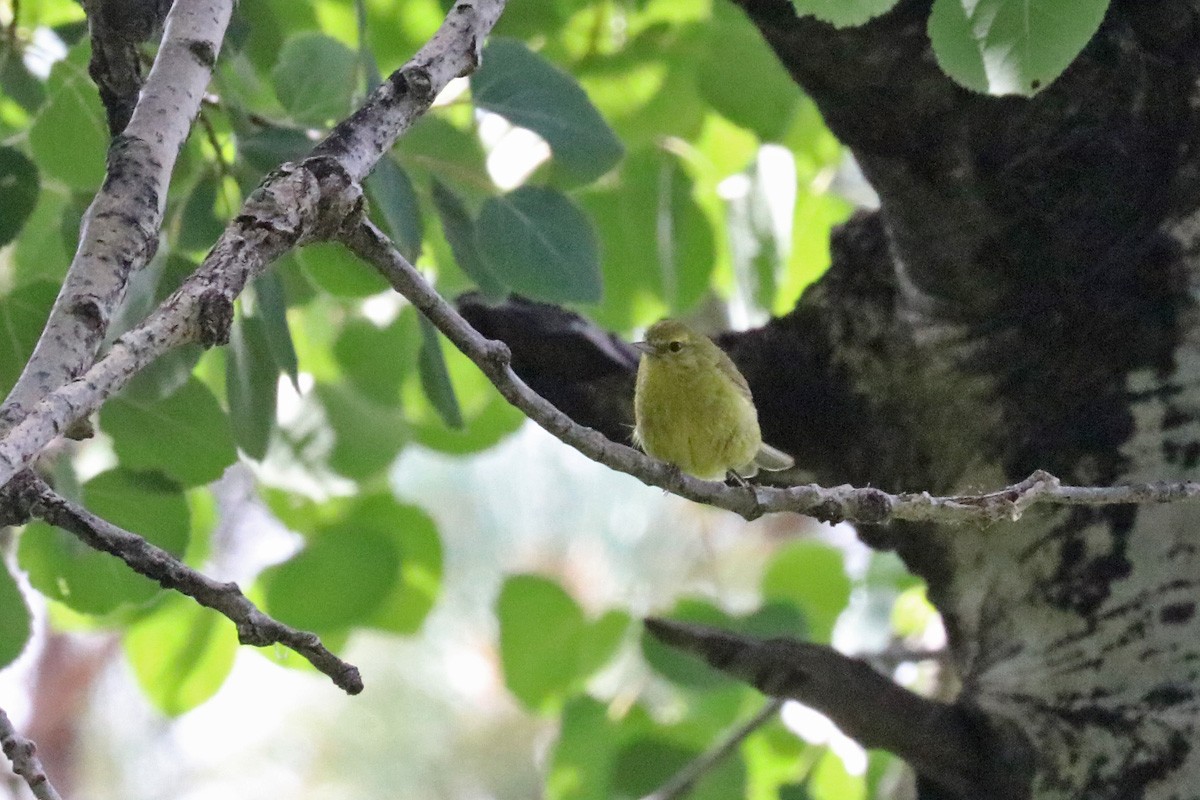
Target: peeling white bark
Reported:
[(119, 233)]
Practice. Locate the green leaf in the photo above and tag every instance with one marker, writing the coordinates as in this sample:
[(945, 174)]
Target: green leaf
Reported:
[(338, 580), (435, 378), (404, 609), (186, 435), (251, 383), (315, 78), (41, 251), (391, 193), (657, 242), (63, 568), (811, 576), (582, 757), (831, 781), (199, 225), (436, 148), (602, 639), (19, 186), (15, 620), (459, 230), (1011, 46), (529, 91), (181, 654), (23, 314), (69, 138), (16, 81), (538, 242), (647, 763), (765, 104), (266, 148), (367, 437), (270, 305), (373, 358), (542, 631), (843, 13), (336, 270)]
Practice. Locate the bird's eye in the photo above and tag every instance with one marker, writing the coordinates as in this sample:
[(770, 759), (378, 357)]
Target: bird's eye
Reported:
[(675, 347)]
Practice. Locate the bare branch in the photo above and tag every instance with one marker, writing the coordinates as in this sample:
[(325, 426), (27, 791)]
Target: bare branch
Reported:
[(253, 626), (685, 780), (23, 755), (297, 203), (835, 504), (119, 232), (942, 742)]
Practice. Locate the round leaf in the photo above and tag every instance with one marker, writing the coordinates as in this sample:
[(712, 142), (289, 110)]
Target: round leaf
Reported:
[(186, 435), (843, 13), (541, 637), (539, 243), (811, 576), (181, 654), (1011, 46), (338, 580), (315, 78)]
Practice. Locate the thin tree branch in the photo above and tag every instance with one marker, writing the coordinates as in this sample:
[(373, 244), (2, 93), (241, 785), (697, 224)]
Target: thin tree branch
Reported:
[(685, 779), (943, 742), (119, 232), (25, 763), (30, 494), (298, 202), (840, 503)]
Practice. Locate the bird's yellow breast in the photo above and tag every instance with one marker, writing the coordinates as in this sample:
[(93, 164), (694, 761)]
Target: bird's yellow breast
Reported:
[(693, 415)]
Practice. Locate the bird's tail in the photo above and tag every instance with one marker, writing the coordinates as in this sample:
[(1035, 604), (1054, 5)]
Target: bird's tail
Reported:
[(772, 459)]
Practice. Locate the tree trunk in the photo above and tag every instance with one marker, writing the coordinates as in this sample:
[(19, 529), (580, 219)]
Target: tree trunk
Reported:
[(1021, 300)]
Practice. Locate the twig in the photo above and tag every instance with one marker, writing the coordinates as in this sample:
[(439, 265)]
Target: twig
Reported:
[(942, 741), (298, 202), (119, 232), (253, 626), (25, 763), (865, 505), (685, 779)]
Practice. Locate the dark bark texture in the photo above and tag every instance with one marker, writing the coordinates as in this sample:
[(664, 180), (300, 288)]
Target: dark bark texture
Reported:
[(1023, 299)]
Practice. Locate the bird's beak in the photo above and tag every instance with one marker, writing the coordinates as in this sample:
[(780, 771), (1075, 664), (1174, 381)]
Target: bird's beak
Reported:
[(644, 347)]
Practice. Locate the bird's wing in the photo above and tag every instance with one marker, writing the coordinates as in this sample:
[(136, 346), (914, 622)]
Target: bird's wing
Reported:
[(726, 365)]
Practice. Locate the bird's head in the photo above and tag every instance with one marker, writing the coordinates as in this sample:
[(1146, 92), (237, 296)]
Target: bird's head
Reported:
[(673, 342)]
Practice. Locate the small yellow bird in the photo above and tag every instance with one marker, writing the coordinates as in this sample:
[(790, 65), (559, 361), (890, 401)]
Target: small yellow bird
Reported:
[(693, 408)]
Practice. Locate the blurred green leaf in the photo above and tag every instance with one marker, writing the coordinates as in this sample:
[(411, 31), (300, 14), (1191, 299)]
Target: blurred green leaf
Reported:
[(199, 225), (315, 78), (373, 358), (270, 305), (19, 186), (765, 104), (69, 138), (435, 378), (186, 435), (547, 646), (1011, 46), (340, 578), (392, 195), (529, 91), (338, 271), (437, 149), (415, 536), (181, 654), (15, 621), (812, 576), (23, 313), (367, 436), (41, 251), (264, 149), (459, 230), (831, 781), (63, 568), (843, 13), (251, 383), (16, 81), (538, 242), (656, 240), (647, 764)]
